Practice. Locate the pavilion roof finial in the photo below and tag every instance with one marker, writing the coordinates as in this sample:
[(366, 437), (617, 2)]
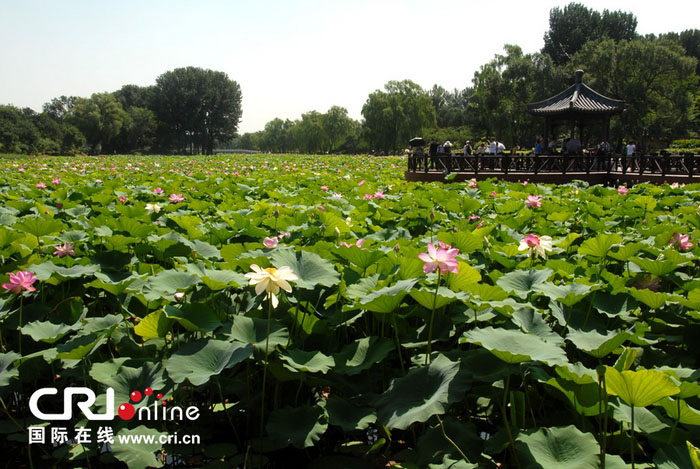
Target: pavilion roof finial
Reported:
[(579, 76)]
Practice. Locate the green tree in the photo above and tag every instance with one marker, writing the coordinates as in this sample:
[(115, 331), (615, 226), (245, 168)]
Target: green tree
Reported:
[(396, 114), (309, 132), (336, 126), (18, 134), (99, 118), (654, 77), (196, 108), (574, 25), (278, 136), (504, 87)]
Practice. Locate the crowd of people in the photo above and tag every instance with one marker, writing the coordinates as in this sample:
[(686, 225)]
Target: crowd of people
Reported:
[(567, 146)]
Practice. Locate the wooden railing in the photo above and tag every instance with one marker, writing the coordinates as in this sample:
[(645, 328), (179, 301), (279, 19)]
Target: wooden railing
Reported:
[(662, 165)]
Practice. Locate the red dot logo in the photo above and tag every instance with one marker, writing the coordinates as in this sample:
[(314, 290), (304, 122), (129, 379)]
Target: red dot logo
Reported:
[(126, 411), (148, 391), (165, 402), (135, 396), (159, 396)]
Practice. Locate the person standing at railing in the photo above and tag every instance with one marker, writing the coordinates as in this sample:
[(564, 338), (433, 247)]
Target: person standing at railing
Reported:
[(631, 148)]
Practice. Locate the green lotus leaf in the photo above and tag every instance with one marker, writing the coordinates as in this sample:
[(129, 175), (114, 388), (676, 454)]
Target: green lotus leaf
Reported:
[(46, 331), (422, 393), (673, 457), (466, 277), (362, 258), (362, 354), (254, 331), (311, 362), (387, 299), (39, 226), (429, 298), (139, 455), (522, 282), (599, 246), (194, 317), (80, 347), (200, 360), (311, 268), (596, 344), (568, 294), (639, 388), (679, 410), (347, 415), (299, 426), (560, 447), (513, 346), (7, 373), (154, 326)]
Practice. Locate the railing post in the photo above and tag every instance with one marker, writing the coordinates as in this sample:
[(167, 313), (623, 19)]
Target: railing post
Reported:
[(537, 161), (624, 163), (476, 163), (640, 162)]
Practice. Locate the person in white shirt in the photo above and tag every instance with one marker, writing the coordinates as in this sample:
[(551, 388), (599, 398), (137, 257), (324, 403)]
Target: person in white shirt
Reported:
[(493, 146), (500, 147), (631, 148)]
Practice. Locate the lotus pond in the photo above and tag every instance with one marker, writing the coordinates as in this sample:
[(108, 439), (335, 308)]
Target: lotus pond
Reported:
[(320, 311)]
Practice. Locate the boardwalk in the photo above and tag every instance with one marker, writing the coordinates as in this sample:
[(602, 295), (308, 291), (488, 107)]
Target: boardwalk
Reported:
[(596, 169)]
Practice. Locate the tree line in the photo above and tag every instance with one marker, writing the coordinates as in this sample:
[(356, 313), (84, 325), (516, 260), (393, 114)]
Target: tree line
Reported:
[(188, 110), (191, 110)]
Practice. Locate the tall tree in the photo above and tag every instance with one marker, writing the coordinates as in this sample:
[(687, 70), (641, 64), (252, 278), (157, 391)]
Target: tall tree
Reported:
[(396, 114), (99, 118), (196, 107), (655, 78), (574, 25), (336, 127)]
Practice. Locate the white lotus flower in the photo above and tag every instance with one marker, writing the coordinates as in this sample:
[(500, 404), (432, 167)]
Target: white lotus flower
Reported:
[(270, 280)]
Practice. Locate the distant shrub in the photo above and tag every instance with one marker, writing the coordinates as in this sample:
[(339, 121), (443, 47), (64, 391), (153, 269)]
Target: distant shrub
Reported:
[(686, 143)]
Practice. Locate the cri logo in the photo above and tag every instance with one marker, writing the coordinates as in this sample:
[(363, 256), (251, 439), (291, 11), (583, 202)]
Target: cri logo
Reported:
[(125, 411)]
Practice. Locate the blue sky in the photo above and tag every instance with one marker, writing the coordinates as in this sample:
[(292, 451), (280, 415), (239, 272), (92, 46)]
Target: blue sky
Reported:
[(289, 57)]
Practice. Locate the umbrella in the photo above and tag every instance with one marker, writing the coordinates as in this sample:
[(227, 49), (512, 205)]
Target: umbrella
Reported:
[(417, 142)]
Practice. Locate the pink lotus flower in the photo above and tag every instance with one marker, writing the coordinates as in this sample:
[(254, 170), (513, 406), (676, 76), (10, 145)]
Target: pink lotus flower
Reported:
[(176, 198), (368, 196), (324, 188), (536, 244), (472, 184), (122, 199), (359, 243), (622, 190), (494, 193), (361, 182), (41, 185), (440, 258), (525, 183), (474, 217), (20, 281), (322, 208), (158, 191), (534, 201), (682, 242), (56, 181), (271, 243), (379, 195), (64, 250)]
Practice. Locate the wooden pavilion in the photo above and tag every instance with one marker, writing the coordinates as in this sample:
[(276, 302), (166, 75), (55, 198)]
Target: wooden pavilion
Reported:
[(577, 106)]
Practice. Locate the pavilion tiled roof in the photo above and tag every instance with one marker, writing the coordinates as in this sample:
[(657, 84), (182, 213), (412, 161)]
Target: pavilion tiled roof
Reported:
[(578, 98)]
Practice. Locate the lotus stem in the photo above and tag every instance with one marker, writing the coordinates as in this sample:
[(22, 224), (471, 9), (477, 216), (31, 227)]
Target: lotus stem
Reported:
[(432, 319), (264, 383), (449, 440), (19, 330), (632, 437), (398, 343)]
